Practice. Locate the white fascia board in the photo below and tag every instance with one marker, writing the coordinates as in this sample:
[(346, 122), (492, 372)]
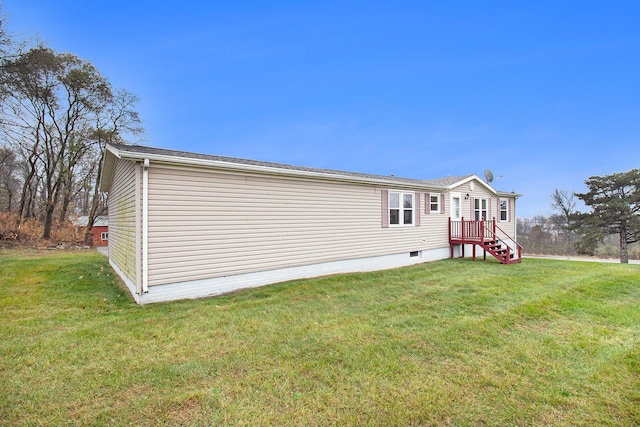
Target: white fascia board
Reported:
[(108, 162), (114, 150), (508, 195), (473, 178), (485, 185), (239, 167)]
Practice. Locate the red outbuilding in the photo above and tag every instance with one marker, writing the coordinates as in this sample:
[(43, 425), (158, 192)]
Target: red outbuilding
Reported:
[(100, 229)]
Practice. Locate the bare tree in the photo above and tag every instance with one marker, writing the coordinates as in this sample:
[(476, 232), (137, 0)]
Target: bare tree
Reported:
[(51, 101), (9, 183), (57, 113), (539, 227), (564, 203), (116, 122)]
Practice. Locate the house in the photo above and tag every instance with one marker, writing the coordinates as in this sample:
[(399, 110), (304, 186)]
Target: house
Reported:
[(100, 229), (187, 225)]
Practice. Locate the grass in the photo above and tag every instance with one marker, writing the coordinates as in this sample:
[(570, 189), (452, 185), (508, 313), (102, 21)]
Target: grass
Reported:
[(452, 342)]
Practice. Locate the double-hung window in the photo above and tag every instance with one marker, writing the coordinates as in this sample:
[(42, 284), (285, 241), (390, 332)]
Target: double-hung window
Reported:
[(104, 235), (504, 210), (401, 208), (480, 209), (434, 202)]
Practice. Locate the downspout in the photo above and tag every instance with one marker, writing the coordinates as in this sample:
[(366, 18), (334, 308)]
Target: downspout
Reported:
[(515, 220), (145, 226)]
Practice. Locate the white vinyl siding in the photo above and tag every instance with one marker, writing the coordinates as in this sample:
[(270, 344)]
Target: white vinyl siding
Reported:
[(204, 223), (122, 218)]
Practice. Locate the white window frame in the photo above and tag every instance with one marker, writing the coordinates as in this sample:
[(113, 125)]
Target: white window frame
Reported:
[(104, 235), (401, 209), (456, 215), (437, 203), (506, 210), (479, 210)]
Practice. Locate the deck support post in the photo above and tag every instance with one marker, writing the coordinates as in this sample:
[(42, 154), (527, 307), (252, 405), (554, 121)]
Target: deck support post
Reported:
[(450, 244), (482, 233)]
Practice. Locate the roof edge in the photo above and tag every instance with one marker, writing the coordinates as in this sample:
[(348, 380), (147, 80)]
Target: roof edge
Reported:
[(121, 152), (108, 163), (140, 153)]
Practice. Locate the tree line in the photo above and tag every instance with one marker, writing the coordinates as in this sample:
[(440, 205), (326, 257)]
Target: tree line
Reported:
[(57, 113), (611, 227)]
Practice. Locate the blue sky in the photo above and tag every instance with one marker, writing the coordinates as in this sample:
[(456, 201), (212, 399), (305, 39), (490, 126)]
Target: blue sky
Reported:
[(545, 94)]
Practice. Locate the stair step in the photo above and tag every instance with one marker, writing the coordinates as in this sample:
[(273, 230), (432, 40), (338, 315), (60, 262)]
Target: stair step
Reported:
[(492, 243)]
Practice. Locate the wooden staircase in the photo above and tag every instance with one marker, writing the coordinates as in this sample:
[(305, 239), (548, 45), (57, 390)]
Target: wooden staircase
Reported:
[(502, 253), (487, 236)]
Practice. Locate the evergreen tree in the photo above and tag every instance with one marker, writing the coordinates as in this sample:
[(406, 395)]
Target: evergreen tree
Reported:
[(615, 203)]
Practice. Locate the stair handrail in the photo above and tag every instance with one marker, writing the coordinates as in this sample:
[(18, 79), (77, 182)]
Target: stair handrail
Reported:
[(495, 236)]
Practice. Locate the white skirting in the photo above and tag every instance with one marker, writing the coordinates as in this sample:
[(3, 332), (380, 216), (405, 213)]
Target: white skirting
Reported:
[(221, 285)]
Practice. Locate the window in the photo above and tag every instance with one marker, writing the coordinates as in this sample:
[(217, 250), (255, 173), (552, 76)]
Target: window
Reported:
[(504, 210), (480, 209), (400, 208), (104, 235), (434, 203)]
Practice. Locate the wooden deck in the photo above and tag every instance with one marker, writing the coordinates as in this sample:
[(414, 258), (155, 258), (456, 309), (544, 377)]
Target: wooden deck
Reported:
[(488, 236)]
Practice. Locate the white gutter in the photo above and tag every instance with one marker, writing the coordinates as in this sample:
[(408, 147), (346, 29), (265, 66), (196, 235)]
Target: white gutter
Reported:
[(145, 226)]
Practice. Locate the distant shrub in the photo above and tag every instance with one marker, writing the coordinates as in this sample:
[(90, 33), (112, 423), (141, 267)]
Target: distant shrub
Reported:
[(586, 246), (29, 232)]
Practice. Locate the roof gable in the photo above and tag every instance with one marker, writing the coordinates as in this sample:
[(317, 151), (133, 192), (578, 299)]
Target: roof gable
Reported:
[(474, 178)]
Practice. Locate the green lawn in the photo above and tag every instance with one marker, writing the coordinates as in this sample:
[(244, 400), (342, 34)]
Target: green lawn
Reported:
[(452, 342)]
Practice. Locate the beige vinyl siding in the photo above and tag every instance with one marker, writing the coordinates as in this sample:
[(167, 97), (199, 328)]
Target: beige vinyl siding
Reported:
[(493, 201), (123, 230), (206, 223), (435, 224), (509, 226)]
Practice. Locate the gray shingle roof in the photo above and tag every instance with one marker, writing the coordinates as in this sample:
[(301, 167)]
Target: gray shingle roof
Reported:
[(439, 182)]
